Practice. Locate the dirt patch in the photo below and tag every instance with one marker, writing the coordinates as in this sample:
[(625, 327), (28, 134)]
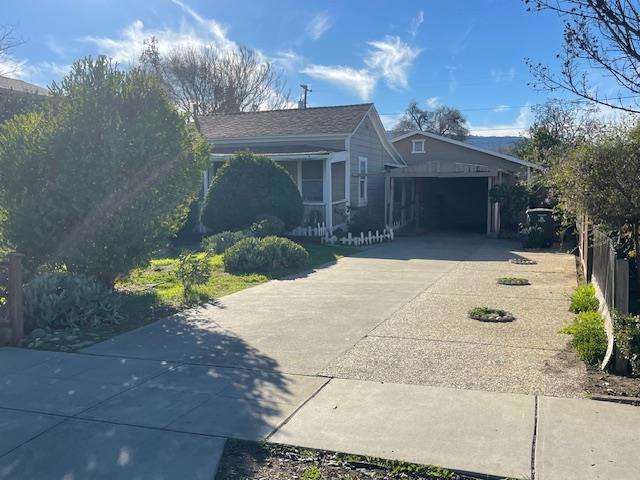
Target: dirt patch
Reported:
[(603, 383), (248, 460)]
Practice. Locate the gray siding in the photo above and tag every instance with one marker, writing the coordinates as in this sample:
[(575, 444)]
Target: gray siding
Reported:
[(447, 154), (366, 143)]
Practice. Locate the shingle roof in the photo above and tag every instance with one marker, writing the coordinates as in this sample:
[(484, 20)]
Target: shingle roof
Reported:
[(7, 83), (334, 120)]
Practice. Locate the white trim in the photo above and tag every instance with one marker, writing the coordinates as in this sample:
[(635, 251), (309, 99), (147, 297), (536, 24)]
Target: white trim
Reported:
[(363, 175), (280, 156), (327, 195), (504, 156), (414, 143), (299, 175), (338, 157)]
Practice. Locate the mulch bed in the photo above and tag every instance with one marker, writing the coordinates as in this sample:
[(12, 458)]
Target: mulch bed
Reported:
[(244, 460), (605, 384)]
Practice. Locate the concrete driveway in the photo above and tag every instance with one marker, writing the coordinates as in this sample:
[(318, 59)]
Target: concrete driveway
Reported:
[(302, 360)]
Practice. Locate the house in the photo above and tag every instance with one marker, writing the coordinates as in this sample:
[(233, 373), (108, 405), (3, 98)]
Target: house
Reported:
[(341, 158)]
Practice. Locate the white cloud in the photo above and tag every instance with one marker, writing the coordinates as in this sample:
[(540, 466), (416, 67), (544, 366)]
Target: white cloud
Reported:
[(361, 82), (393, 59), (390, 120), (501, 108), (319, 25), (433, 102), (503, 76), (197, 32), (518, 127), (287, 60), (12, 67), (416, 22)]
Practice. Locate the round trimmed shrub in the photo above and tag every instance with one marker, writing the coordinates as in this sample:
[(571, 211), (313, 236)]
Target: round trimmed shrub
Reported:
[(266, 255), (62, 300), (248, 186)]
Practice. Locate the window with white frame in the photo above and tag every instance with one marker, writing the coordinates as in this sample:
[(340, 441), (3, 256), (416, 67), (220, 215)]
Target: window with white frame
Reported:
[(417, 146), (363, 167)]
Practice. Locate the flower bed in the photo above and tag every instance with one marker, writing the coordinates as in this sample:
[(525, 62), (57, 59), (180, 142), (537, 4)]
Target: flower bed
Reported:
[(513, 281), (522, 261), (487, 314)]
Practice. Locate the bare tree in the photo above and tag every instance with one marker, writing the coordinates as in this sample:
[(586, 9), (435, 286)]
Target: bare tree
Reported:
[(7, 42), (215, 81), (446, 121), (599, 35)]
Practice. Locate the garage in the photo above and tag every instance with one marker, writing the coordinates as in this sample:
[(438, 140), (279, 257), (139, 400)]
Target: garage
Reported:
[(451, 204), (445, 185)]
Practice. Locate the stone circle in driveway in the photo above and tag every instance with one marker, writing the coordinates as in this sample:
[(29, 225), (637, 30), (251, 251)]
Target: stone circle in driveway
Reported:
[(486, 314)]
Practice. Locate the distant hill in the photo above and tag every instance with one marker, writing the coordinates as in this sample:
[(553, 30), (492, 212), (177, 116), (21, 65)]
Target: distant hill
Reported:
[(495, 144)]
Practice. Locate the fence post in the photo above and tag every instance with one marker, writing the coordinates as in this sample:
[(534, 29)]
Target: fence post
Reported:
[(16, 319)]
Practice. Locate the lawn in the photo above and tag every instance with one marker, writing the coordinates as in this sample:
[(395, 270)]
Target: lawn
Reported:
[(160, 277)]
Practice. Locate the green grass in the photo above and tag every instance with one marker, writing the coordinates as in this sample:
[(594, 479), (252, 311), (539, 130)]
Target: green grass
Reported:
[(154, 291)]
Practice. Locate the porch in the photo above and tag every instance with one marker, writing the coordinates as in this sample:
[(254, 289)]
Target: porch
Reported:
[(322, 178)]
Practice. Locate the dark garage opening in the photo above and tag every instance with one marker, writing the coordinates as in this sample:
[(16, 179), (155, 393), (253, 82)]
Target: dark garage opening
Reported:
[(452, 204)]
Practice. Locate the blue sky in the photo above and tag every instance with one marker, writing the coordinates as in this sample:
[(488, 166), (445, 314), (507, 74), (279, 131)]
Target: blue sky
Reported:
[(466, 53)]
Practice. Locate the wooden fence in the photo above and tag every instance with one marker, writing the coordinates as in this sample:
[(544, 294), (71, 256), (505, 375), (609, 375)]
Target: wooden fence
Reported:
[(610, 277), (11, 316)]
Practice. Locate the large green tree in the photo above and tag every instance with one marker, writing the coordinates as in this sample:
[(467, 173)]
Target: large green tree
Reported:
[(101, 178), (601, 178)]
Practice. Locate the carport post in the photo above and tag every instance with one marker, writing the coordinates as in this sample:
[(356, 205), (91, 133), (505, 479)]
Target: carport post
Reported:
[(488, 206)]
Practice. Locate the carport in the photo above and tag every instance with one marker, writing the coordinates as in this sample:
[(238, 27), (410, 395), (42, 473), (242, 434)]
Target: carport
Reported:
[(446, 184)]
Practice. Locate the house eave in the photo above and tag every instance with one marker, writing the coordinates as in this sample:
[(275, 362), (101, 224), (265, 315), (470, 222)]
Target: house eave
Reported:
[(276, 138)]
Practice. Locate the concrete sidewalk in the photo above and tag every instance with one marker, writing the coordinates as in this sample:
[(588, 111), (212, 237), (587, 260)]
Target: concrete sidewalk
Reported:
[(149, 420)]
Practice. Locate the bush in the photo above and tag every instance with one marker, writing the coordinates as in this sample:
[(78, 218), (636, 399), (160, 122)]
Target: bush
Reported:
[(584, 299), (266, 225), (62, 300), (533, 237), (193, 270), (102, 178), (266, 255), (626, 330), (220, 242), (589, 336), (247, 186)]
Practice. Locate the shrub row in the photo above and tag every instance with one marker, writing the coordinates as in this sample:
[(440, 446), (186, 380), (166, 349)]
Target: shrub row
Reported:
[(589, 336), (265, 255)]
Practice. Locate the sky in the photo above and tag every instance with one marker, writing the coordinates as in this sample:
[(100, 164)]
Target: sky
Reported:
[(469, 54)]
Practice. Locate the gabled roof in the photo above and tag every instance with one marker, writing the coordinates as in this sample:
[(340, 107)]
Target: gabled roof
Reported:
[(21, 86), (442, 138), (339, 120)]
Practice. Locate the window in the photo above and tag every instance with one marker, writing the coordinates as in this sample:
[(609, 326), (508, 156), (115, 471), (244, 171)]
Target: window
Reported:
[(417, 146), (312, 173), (363, 166)]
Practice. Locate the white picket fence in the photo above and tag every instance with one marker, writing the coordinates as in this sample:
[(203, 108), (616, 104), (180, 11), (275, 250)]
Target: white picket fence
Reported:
[(319, 231), (362, 239), (327, 237)]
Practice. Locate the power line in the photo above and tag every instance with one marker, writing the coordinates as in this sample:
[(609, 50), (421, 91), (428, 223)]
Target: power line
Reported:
[(511, 107)]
